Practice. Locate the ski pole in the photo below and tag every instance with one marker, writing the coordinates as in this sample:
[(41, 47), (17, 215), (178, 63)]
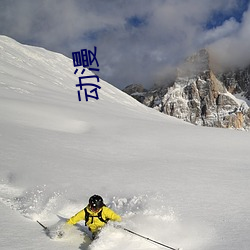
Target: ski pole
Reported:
[(45, 228), (146, 238)]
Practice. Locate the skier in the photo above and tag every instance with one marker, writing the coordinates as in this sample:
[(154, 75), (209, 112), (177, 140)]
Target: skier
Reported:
[(95, 214)]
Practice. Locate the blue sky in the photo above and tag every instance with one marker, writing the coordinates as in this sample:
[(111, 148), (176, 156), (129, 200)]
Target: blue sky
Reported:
[(138, 41), (218, 17)]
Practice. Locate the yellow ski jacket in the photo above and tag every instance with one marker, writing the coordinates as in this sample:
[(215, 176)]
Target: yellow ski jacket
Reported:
[(94, 223)]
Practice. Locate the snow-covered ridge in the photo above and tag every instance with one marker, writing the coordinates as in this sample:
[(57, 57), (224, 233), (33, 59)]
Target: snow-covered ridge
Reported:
[(38, 74), (39, 69)]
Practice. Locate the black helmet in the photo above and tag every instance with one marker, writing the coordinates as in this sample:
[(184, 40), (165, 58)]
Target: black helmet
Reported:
[(95, 202)]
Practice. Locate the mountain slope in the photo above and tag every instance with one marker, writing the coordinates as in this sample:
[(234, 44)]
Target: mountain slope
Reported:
[(182, 185)]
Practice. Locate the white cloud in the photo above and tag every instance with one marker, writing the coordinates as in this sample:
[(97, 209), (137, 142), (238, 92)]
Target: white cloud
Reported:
[(233, 50), (171, 31), (228, 28)]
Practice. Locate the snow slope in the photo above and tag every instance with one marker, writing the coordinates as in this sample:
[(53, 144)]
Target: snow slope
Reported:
[(176, 183)]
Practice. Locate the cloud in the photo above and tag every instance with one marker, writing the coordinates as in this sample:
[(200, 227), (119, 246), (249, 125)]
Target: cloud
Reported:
[(228, 28), (233, 49), (137, 41)]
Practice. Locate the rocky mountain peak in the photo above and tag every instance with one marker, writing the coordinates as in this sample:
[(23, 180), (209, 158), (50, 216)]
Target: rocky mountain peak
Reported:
[(202, 97), (196, 64)]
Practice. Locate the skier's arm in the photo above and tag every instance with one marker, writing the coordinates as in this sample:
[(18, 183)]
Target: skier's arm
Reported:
[(77, 217), (110, 214)]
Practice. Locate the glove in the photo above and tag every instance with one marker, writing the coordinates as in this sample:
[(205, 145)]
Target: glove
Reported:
[(62, 229), (60, 234)]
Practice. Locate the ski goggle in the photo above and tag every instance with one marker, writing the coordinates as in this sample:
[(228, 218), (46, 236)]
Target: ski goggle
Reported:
[(94, 208)]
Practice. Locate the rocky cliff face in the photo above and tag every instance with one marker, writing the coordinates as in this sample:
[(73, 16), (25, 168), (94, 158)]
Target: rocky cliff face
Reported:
[(201, 97), (237, 81)]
